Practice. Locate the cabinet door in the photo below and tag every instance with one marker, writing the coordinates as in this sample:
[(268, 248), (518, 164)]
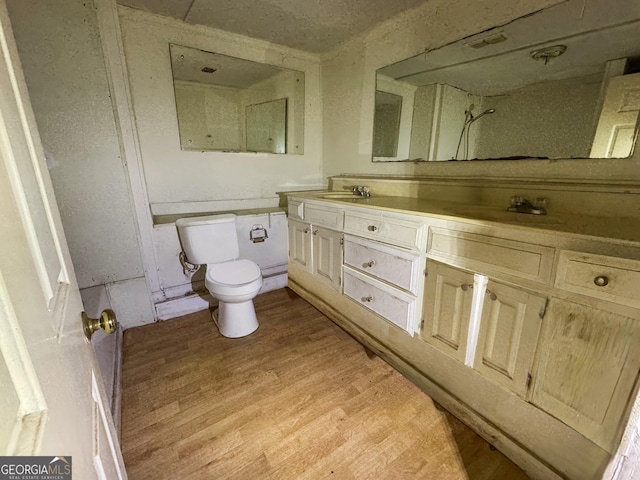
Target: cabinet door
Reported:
[(446, 309), (588, 366), (300, 243), (327, 255), (508, 335)]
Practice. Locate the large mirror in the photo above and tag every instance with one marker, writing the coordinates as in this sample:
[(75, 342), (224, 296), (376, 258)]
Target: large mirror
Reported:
[(229, 104), (561, 83)]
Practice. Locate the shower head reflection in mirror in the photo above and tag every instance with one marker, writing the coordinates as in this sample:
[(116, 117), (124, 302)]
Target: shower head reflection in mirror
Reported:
[(582, 103), (468, 120)]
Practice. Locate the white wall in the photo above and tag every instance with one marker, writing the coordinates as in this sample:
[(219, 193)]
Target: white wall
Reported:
[(407, 92), (183, 180), (553, 119), (208, 115), (288, 84), (349, 86), (61, 54), (422, 126), (64, 68)]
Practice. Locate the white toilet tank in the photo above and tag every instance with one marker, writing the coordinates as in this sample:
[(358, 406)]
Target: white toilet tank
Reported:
[(209, 239)]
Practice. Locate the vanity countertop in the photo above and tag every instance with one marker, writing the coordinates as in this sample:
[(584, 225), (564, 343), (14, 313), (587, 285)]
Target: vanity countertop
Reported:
[(626, 229)]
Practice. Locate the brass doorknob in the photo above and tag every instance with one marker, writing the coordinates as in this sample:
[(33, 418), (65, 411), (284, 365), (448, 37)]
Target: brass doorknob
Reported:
[(107, 322)]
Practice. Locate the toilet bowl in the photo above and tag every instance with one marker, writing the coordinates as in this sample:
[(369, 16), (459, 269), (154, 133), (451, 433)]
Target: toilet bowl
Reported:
[(212, 241), (235, 284)]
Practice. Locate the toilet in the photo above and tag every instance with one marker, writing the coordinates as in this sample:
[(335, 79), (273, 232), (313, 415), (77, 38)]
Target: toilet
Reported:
[(212, 241)]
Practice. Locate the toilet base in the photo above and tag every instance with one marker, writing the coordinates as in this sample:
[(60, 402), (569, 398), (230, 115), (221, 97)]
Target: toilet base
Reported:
[(235, 320)]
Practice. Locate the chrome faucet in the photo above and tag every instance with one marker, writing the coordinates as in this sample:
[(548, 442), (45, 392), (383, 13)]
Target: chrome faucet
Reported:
[(522, 205), (361, 191)]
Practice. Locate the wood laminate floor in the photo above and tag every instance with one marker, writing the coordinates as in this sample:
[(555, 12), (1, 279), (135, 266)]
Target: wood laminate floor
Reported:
[(298, 399)]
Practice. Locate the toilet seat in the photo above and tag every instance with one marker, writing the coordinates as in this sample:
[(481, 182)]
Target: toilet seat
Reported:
[(235, 278), (233, 273)]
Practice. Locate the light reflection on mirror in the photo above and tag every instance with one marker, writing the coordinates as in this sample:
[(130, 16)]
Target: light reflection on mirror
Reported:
[(561, 83), (230, 104)]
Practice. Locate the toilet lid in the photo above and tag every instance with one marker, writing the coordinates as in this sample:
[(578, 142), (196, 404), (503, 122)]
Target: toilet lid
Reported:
[(236, 272)]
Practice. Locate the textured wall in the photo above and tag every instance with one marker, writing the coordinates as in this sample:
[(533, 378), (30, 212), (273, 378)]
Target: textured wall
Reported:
[(176, 176), (61, 55), (555, 120)]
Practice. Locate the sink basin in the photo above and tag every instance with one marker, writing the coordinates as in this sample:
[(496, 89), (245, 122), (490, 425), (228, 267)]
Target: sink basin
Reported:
[(340, 195), (537, 220), (493, 214), (484, 213), (346, 197)]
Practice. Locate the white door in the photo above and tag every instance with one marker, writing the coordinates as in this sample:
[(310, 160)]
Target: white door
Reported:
[(616, 129), (51, 400)]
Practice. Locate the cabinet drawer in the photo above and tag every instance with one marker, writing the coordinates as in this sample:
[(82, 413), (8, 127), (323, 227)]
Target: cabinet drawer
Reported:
[(390, 230), (609, 278), (491, 255), (389, 303), (295, 209), (397, 267), (324, 216)]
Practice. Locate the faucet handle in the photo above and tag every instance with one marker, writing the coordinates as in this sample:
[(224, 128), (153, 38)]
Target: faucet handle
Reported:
[(517, 200), (361, 190), (540, 202)]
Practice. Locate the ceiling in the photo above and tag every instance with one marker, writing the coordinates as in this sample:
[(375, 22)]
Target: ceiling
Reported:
[(594, 32), (187, 64), (312, 25)]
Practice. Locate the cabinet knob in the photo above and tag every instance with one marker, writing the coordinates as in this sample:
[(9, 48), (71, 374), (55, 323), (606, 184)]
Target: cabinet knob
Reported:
[(601, 280), (306, 230), (368, 264), (367, 299), (315, 232), (466, 286), (372, 228)]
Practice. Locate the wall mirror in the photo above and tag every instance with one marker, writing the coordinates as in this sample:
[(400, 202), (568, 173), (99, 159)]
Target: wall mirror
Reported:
[(229, 104), (561, 83)]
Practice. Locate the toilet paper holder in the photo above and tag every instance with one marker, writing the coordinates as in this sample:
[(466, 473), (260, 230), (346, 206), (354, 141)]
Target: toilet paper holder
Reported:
[(258, 234)]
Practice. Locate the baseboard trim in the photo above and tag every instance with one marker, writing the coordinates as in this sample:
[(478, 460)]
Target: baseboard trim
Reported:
[(202, 300)]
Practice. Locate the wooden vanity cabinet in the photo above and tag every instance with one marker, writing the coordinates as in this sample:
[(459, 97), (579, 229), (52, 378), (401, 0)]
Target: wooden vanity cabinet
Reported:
[(326, 263), (447, 309), (532, 337), (508, 336), (497, 339), (588, 367), (589, 353), (300, 243), (383, 278), (317, 250)]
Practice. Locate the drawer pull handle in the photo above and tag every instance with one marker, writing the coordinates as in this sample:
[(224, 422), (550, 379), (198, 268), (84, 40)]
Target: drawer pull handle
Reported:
[(372, 228), (367, 299), (368, 264), (601, 281), (315, 232)]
